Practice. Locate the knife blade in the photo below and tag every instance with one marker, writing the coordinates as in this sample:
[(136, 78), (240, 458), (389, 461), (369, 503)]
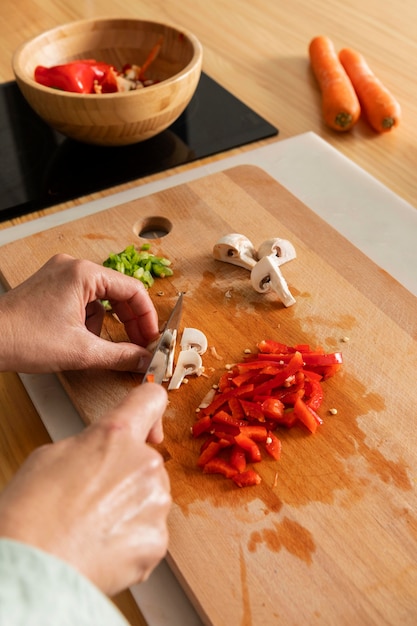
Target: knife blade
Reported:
[(165, 347)]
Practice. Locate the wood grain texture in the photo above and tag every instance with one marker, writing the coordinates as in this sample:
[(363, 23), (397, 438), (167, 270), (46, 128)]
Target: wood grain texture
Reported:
[(335, 539)]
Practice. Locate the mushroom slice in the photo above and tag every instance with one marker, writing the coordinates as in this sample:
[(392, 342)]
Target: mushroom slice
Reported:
[(195, 339), (281, 249), (189, 362), (237, 250), (267, 276)]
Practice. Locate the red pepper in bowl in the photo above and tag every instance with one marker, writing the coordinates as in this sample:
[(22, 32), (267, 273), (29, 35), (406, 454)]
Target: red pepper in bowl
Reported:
[(84, 76)]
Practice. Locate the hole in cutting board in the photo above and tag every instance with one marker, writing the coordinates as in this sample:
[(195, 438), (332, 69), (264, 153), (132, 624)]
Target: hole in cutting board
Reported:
[(153, 227)]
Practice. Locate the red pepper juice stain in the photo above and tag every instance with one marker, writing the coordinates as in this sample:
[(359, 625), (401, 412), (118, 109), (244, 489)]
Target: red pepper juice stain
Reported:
[(287, 534)]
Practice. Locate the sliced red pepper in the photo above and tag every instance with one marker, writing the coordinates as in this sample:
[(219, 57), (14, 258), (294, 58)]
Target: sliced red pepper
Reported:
[(307, 415), (273, 446), (247, 478), (295, 364), (224, 430), (318, 359), (218, 465), (208, 453), (271, 346), (252, 410), (289, 397), (78, 76), (272, 408), (249, 446), (255, 431), (266, 390), (289, 419), (238, 458), (236, 409), (202, 425), (225, 381), (220, 399), (314, 394), (241, 379)]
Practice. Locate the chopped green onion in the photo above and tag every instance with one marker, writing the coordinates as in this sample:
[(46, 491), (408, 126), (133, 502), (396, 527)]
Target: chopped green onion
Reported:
[(140, 264)]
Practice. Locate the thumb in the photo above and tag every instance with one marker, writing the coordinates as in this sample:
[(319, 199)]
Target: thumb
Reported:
[(140, 412)]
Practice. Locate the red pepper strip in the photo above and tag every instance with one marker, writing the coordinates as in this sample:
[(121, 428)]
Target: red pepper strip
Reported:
[(221, 398), (223, 439), (238, 458), (240, 379), (224, 381), (307, 415), (208, 453), (202, 425), (268, 345), (273, 446), (289, 419), (252, 410), (272, 408), (236, 409), (218, 465), (247, 478), (225, 430), (312, 375), (318, 359), (276, 358), (289, 397), (249, 446), (302, 347), (314, 394), (255, 432), (330, 370), (222, 417), (295, 364), (256, 364)]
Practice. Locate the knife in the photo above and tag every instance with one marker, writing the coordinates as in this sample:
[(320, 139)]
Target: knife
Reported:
[(165, 347)]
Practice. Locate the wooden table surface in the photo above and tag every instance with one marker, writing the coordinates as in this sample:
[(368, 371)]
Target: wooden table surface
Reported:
[(257, 49)]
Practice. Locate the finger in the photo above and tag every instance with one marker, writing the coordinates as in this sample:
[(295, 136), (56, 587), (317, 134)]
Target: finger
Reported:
[(99, 353), (131, 303), (141, 412), (94, 315), (140, 326)]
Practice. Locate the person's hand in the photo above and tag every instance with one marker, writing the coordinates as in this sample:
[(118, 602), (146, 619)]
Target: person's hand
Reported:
[(98, 500), (51, 322)]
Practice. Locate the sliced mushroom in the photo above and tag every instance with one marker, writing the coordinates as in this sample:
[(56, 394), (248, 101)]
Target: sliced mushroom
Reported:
[(281, 249), (267, 276), (237, 250), (189, 362), (192, 338)]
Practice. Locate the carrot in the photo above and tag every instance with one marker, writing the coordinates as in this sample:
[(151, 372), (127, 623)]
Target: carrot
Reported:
[(340, 104), (380, 107)]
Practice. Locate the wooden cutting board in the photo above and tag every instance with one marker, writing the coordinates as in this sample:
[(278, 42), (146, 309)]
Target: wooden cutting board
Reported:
[(330, 536)]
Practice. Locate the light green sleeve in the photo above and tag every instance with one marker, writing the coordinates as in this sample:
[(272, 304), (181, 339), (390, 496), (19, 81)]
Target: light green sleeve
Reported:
[(38, 589)]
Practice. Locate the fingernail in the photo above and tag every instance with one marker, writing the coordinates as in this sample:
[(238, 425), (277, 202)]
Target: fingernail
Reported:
[(143, 363)]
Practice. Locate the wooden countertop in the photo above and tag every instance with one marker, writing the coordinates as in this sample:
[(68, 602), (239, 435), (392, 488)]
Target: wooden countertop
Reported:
[(257, 49)]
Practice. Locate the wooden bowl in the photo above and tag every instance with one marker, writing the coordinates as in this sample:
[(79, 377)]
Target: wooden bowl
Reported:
[(120, 118)]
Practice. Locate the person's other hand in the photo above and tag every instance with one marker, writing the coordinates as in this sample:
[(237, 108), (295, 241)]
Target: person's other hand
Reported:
[(51, 322), (98, 500)]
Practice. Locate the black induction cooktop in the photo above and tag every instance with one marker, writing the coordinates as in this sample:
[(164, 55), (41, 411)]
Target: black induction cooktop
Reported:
[(40, 167)]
